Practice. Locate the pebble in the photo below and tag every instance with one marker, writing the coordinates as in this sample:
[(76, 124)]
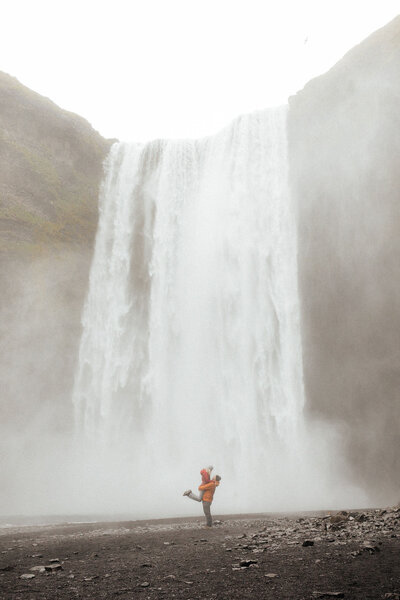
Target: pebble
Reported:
[(53, 567), (27, 576), (247, 563), (39, 568)]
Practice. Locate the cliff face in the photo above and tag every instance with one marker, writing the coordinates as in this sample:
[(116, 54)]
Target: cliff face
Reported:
[(50, 171), (50, 167), (345, 153)]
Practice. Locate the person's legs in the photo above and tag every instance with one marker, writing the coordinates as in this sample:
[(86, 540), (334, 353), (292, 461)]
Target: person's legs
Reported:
[(193, 497), (207, 512)]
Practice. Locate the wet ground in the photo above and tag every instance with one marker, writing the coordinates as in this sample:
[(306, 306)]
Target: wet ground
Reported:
[(343, 555)]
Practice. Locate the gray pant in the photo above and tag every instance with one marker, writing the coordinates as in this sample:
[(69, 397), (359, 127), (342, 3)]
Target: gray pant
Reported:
[(194, 497), (207, 512)]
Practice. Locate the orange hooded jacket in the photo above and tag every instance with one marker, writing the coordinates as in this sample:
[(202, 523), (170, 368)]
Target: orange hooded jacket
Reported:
[(209, 489)]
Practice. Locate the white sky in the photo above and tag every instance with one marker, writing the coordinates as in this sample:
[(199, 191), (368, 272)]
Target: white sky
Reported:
[(140, 69)]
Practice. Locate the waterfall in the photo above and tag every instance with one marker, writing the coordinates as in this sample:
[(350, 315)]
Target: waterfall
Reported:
[(191, 350)]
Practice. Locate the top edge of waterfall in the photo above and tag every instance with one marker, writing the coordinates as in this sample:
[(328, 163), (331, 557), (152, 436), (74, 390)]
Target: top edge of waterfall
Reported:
[(159, 141)]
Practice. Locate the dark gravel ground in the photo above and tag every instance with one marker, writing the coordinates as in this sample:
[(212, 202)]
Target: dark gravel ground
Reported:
[(350, 555)]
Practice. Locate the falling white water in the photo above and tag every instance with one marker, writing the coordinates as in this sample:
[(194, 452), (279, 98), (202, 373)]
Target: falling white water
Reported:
[(191, 350)]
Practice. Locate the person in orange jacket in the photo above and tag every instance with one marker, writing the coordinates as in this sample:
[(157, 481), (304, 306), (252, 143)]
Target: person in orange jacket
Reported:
[(205, 478), (209, 490)]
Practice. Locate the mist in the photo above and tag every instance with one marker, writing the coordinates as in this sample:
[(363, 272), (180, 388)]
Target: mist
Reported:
[(123, 426), (85, 433)]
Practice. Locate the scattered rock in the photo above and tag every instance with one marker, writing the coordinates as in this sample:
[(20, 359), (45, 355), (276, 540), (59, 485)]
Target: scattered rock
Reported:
[(145, 584), (146, 565), (308, 543), (248, 563), (38, 568), (54, 560), (361, 517), (53, 567), (271, 575), (27, 576), (370, 547)]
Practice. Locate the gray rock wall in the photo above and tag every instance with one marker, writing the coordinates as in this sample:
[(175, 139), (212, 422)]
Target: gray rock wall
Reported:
[(344, 141), (50, 171)]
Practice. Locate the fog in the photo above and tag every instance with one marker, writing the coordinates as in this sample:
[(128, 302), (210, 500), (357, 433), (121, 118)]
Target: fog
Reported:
[(219, 378), (302, 411)]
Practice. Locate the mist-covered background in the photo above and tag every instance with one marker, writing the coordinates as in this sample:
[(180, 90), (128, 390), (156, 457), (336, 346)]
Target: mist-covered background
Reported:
[(344, 157)]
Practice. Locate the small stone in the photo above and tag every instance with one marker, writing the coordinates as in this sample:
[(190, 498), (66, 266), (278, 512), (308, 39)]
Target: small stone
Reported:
[(8, 568), (188, 582), (53, 567), (170, 577), (370, 547), (248, 563), (27, 576), (308, 543), (54, 560), (271, 575), (39, 568), (144, 584), (37, 555), (146, 565)]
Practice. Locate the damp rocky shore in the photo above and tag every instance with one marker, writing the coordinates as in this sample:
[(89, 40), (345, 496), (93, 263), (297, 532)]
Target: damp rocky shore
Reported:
[(353, 554)]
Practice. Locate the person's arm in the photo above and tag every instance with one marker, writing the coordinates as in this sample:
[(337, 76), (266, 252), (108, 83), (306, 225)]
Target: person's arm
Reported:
[(207, 486)]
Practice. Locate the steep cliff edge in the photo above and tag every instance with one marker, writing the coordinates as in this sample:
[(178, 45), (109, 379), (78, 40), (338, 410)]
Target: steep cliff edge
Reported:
[(344, 154), (50, 169)]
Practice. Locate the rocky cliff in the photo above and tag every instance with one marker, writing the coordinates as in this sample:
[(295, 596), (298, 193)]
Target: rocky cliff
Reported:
[(50, 171), (50, 167), (345, 154)]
